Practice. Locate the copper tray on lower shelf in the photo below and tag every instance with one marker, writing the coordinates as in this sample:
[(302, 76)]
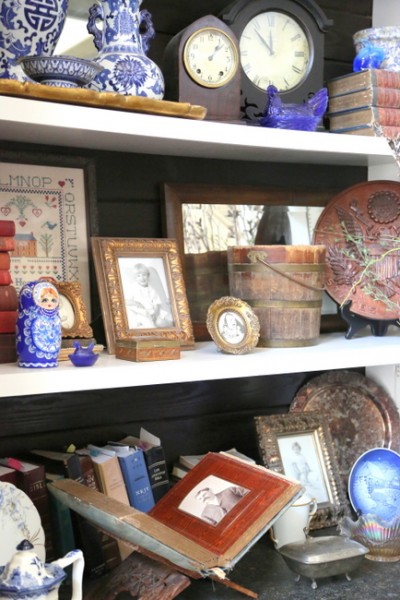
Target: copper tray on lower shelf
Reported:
[(360, 414), (85, 97)]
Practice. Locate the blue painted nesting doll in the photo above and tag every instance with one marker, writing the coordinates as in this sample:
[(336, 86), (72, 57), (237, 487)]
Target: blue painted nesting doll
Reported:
[(38, 325)]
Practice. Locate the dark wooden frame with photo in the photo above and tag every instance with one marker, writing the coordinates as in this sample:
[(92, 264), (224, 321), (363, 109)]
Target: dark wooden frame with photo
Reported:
[(206, 273), (276, 436), (113, 258)]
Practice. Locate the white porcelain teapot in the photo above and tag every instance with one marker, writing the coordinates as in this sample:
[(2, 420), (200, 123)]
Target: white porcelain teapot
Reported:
[(26, 576)]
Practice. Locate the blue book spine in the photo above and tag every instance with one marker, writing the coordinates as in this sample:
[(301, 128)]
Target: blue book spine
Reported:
[(137, 482)]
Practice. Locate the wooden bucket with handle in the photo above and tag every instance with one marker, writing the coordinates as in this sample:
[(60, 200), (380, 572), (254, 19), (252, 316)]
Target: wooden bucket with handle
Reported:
[(284, 286)]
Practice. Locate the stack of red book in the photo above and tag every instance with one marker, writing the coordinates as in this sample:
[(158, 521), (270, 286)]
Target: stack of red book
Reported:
[(8, 294)]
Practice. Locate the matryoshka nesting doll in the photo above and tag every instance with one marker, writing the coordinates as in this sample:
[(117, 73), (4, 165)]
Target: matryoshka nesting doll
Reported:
[(38, 332)]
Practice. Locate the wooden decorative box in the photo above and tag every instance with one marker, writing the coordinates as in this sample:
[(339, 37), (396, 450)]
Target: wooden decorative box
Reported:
[(143, 349)]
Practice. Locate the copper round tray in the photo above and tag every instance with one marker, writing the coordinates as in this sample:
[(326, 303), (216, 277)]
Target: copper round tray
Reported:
[(360, 414), (360, 228)]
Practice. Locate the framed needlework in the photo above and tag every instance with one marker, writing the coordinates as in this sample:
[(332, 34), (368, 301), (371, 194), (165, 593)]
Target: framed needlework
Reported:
[(300, 446), (52, 200), (142, 291), (206, 219)]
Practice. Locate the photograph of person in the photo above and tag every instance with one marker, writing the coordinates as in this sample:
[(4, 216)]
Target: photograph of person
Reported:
[(145, 292), (301, 461), (212, 499), (231, 327)]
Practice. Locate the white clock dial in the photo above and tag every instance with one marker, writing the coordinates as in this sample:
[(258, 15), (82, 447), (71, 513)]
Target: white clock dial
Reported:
[(211, 58), (274, 49)]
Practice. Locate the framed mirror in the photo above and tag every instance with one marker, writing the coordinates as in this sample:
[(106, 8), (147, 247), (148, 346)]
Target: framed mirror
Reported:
[(206, 218)]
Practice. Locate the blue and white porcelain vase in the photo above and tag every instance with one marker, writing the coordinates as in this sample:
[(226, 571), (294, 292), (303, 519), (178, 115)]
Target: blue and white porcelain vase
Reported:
[(38, 334), (123, 42), (28, 27)]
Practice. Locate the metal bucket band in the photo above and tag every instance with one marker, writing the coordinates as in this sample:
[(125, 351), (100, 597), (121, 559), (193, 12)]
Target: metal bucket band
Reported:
[(290, 267), (284, 303)]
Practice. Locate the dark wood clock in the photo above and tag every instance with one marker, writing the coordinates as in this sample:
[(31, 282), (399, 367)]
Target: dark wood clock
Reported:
[(201, 66), (281, 42)]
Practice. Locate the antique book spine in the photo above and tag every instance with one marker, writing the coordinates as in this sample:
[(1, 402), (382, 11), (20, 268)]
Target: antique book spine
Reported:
[(156, 464), (8, 353), (5, 261), (360, 80), (373, 96), (388, 131), (8, 320), (89, 535), (8, 475), (61, 519), (8, 298), (365, 116), (137, 481), (5, 277), (158, 472), (7, 243), (7, 228), (111, 483), (109, 545), (31, 479)]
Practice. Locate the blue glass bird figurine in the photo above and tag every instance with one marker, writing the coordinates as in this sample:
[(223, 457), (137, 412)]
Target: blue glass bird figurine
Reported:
[(304, 116)]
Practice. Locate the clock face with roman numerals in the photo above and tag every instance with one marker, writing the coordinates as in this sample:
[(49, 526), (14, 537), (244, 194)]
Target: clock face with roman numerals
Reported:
[(281, 43), (275, 49)]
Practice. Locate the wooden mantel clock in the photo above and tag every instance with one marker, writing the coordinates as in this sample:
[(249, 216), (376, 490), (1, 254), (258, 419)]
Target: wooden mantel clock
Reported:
[(201, 66), (281, 42)]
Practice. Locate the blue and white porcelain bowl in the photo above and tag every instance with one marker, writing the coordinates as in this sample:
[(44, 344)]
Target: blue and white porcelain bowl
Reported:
[(385, 38), (60, 71)]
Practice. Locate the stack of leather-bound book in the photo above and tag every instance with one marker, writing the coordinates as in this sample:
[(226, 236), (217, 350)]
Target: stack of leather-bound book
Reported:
[(8, 294)]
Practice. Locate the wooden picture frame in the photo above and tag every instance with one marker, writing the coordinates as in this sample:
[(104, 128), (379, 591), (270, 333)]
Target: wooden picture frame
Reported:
[(206, 271), (52, 199), (260, 497), (119, 265), (300, 446), (233, 325)]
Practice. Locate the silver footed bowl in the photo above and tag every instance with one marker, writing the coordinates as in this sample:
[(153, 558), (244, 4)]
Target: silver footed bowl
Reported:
[(60, 71)]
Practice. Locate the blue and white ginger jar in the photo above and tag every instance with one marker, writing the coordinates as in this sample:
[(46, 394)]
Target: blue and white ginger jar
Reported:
[(28, 27), (38, 334), (123, 42)]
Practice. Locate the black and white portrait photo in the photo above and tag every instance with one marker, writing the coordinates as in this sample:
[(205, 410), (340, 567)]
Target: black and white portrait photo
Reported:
[(212, 499), (301, 461), (231, 327), (145, 292)]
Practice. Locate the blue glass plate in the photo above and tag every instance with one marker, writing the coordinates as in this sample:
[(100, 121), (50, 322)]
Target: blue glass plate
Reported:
[(374, 483)]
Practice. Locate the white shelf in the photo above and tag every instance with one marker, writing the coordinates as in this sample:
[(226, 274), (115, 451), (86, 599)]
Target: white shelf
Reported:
[(30, 121), (204, 363)]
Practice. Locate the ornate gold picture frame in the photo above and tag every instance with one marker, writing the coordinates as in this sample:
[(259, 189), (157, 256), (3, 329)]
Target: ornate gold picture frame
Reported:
[(141, 289), (300, 446), (73, 312), (233, 325)]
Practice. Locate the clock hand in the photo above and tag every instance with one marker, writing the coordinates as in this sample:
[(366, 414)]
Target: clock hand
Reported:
[(269, 47), (218, 47)]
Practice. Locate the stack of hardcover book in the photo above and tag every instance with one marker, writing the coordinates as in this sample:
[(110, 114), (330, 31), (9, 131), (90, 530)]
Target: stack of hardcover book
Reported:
[(365, 103), (8, 294)]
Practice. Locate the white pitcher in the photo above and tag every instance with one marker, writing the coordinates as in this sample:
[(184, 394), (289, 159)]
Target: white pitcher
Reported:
[(26, 576), (293, 525)]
